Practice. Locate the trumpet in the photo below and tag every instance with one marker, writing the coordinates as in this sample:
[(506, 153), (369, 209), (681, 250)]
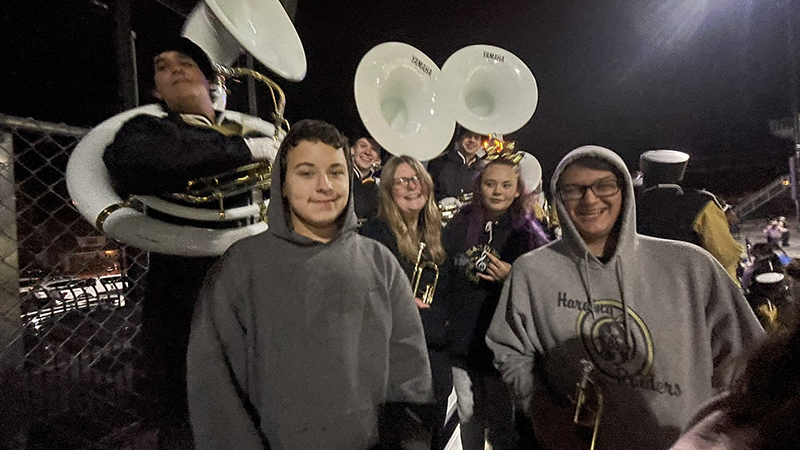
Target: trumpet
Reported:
[(450, 206), (588, 403), (419, 269)]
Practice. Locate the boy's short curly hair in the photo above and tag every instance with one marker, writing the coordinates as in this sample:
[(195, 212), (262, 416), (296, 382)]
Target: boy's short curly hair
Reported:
[(312, 131)]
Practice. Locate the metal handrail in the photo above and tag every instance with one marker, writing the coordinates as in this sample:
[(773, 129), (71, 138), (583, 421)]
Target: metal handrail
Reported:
[(29, 124), (754, 201)]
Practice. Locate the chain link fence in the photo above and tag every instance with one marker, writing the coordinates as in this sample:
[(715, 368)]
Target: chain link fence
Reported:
[(70, 310)]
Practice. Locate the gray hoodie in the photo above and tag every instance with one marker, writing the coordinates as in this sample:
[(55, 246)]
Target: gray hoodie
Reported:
[(302, 345), (657, 320)]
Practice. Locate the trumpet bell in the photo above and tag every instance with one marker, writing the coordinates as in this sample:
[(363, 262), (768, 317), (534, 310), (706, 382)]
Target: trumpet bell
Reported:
[(495, 92), (225, 28), (403, 101)]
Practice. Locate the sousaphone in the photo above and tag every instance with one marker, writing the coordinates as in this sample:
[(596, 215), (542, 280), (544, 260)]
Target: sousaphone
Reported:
[(410, 106), (223, 28), (403, 101), (495, 92)]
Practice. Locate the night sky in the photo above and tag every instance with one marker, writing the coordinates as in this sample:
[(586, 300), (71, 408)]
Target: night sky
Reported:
[(702, 76)]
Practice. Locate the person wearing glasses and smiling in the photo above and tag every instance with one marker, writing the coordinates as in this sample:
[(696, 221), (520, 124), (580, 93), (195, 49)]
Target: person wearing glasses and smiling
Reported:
[(407, 217), (643, 325)]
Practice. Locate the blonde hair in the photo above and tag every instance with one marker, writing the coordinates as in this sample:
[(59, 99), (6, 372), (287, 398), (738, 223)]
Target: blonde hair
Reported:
[(429, 225)]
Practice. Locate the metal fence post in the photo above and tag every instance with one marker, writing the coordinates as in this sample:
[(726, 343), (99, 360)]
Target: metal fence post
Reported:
[(11, 351), (13, 401)]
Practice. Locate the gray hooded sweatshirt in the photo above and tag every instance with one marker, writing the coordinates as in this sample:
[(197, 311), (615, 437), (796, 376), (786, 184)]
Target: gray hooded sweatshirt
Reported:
[(657, 321), (298, 344)]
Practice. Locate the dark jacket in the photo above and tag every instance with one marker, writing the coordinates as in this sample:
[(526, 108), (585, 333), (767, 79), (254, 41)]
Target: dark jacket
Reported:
[(452, 176), (695, 216), (670, 213), (298, 344), (365, 196), (471, 301), (154, 155), (434, 319)]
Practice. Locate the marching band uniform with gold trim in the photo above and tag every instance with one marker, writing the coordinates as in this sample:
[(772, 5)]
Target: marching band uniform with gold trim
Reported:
[(657, 320), (365, 195), (670, 212), (153, 156), (156, 155)]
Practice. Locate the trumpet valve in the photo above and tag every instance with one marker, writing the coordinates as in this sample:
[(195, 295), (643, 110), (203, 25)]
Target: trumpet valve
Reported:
[(427, 298)]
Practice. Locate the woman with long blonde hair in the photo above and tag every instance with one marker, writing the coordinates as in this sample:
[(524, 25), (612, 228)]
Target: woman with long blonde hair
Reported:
[(408, 208), (407, 217)]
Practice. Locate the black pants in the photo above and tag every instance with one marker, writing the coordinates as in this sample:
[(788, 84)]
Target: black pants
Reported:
[(172, 286), (441, 371)]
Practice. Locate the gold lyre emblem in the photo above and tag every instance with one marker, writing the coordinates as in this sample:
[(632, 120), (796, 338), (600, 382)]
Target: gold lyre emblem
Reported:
[(426, 294), (588, 402)]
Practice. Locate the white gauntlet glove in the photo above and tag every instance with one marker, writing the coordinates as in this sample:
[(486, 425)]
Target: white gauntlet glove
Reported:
[(263, 148)]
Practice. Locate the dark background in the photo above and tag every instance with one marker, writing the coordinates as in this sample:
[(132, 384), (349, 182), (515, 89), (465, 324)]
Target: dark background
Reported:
[(702, 76)]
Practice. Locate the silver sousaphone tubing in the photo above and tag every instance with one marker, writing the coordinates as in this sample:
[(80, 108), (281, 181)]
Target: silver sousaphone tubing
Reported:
[(224, 29)]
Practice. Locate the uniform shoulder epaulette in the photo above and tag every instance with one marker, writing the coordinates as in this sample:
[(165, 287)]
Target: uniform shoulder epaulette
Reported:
[(713, 197)]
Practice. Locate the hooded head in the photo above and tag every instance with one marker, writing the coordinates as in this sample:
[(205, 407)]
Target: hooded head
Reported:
[(310, 197), (594, 196)]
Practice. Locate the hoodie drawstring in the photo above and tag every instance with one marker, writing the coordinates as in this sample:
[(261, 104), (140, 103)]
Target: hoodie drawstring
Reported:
[(583, 270), (626, 325), (587, 283)]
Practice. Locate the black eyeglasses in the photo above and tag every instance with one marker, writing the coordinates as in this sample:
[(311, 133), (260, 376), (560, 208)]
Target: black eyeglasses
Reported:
[(602, 188), (406, 181)]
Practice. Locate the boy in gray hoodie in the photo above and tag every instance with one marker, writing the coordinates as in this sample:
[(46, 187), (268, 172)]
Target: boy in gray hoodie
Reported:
[(645, 322), (307, 336)]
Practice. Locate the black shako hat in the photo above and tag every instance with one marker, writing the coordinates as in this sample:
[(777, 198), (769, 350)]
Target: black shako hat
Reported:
[(187, 47)]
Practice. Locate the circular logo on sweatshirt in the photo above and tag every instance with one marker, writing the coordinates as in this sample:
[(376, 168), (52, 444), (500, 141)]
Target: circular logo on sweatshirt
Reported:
[(475, 260), (620, 348)]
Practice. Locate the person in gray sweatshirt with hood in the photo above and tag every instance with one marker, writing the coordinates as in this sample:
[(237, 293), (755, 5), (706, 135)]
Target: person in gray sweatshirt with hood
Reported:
[(307, 336), (611, 339)]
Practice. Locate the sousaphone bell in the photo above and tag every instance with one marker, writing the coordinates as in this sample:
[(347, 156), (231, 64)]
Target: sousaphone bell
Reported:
[(407, 109), (222, 28), (403, 101), (494, 93)]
